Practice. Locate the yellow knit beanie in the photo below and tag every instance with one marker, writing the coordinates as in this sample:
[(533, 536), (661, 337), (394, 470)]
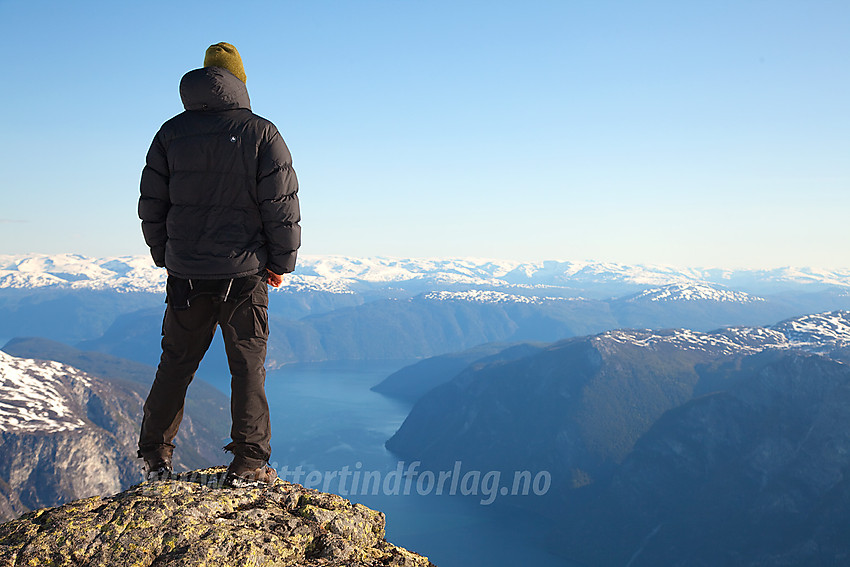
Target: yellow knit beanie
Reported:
[(225, 55)]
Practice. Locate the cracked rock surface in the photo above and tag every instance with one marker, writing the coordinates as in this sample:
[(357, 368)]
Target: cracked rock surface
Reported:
[(193, 521)]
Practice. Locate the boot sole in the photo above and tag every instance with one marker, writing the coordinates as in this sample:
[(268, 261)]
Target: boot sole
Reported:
[(153, 476), (233, 481)]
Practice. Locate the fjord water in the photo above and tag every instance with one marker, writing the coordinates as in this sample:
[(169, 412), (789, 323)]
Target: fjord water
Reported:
[(324, 418)]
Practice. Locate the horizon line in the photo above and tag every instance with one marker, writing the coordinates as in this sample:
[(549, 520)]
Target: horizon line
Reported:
[(474, 259)]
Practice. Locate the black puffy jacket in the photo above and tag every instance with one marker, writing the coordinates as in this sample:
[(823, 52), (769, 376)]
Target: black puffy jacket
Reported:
[(219, 197)]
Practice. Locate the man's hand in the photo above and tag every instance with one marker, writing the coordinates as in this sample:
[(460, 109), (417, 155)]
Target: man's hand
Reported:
[(274, 279)]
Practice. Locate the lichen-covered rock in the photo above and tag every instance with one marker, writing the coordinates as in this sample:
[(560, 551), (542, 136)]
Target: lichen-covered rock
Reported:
[(193, 521)]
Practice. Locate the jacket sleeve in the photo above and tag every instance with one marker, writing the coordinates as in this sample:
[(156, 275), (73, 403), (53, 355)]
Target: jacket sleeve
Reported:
[(277, 197), (154, 201)]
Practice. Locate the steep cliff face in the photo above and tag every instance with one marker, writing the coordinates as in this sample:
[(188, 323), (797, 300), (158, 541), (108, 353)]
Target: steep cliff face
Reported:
[(67, 434), (667, 447), (54, 444), (574, 409), (206, 423), (577, 407), (752, 476), (193, 521)]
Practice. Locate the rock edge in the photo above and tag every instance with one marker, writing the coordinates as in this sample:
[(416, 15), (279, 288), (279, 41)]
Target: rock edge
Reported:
[(192, 521)]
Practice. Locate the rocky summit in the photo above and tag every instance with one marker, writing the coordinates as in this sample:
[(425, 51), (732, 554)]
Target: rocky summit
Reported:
[(192, 520)]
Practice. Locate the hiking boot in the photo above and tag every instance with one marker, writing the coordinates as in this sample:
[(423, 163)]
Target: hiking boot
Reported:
[(157, 465), (249, 473), (158, 470), (161, 471)]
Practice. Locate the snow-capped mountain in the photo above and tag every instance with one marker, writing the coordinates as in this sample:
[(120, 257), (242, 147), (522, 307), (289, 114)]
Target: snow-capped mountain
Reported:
[(489, 296), (693, 292), (69, 429), (36, 395), (115, 304), (63, 434), (74, 271), (814, 333), (338, 274), (814, 330)]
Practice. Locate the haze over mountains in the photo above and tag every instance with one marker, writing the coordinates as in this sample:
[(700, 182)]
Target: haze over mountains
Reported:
[(336, 308), (339, 274)]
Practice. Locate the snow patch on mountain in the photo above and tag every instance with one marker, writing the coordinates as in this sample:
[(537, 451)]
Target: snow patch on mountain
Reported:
[(694, 292), (686, 339), (75, 271), (582, 273), (830, 328), (34, 395), (490, 296), (809, 332)]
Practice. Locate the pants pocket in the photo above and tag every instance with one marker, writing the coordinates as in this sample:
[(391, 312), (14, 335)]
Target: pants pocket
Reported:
[(260, 304), (251, 318)]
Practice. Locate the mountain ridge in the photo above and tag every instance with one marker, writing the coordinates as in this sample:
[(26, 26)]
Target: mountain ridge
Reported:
[(665, 447), (339, 274), (335, 308), (632, 376)]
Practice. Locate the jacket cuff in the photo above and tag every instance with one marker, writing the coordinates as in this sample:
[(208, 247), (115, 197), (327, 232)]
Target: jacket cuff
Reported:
[(283, 264), (158, 255)]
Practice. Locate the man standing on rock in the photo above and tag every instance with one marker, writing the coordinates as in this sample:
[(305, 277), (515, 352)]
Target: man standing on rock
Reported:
[(219, 210)]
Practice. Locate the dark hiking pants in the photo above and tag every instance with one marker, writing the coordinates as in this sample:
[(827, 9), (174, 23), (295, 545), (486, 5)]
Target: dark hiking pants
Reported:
[(195, 308)]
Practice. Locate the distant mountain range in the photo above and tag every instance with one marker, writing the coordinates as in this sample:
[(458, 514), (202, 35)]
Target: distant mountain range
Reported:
[(337, 274), (665, 447), (336, 308), (69, 424)]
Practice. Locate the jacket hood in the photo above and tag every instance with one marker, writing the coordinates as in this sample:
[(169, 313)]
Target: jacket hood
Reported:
[(213, 88)]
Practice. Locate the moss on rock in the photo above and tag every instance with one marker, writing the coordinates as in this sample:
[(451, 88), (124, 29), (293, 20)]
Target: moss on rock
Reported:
[(193, 521)]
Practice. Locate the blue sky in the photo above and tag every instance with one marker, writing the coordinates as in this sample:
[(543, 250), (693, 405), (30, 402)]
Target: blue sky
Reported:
[(699, 133)]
